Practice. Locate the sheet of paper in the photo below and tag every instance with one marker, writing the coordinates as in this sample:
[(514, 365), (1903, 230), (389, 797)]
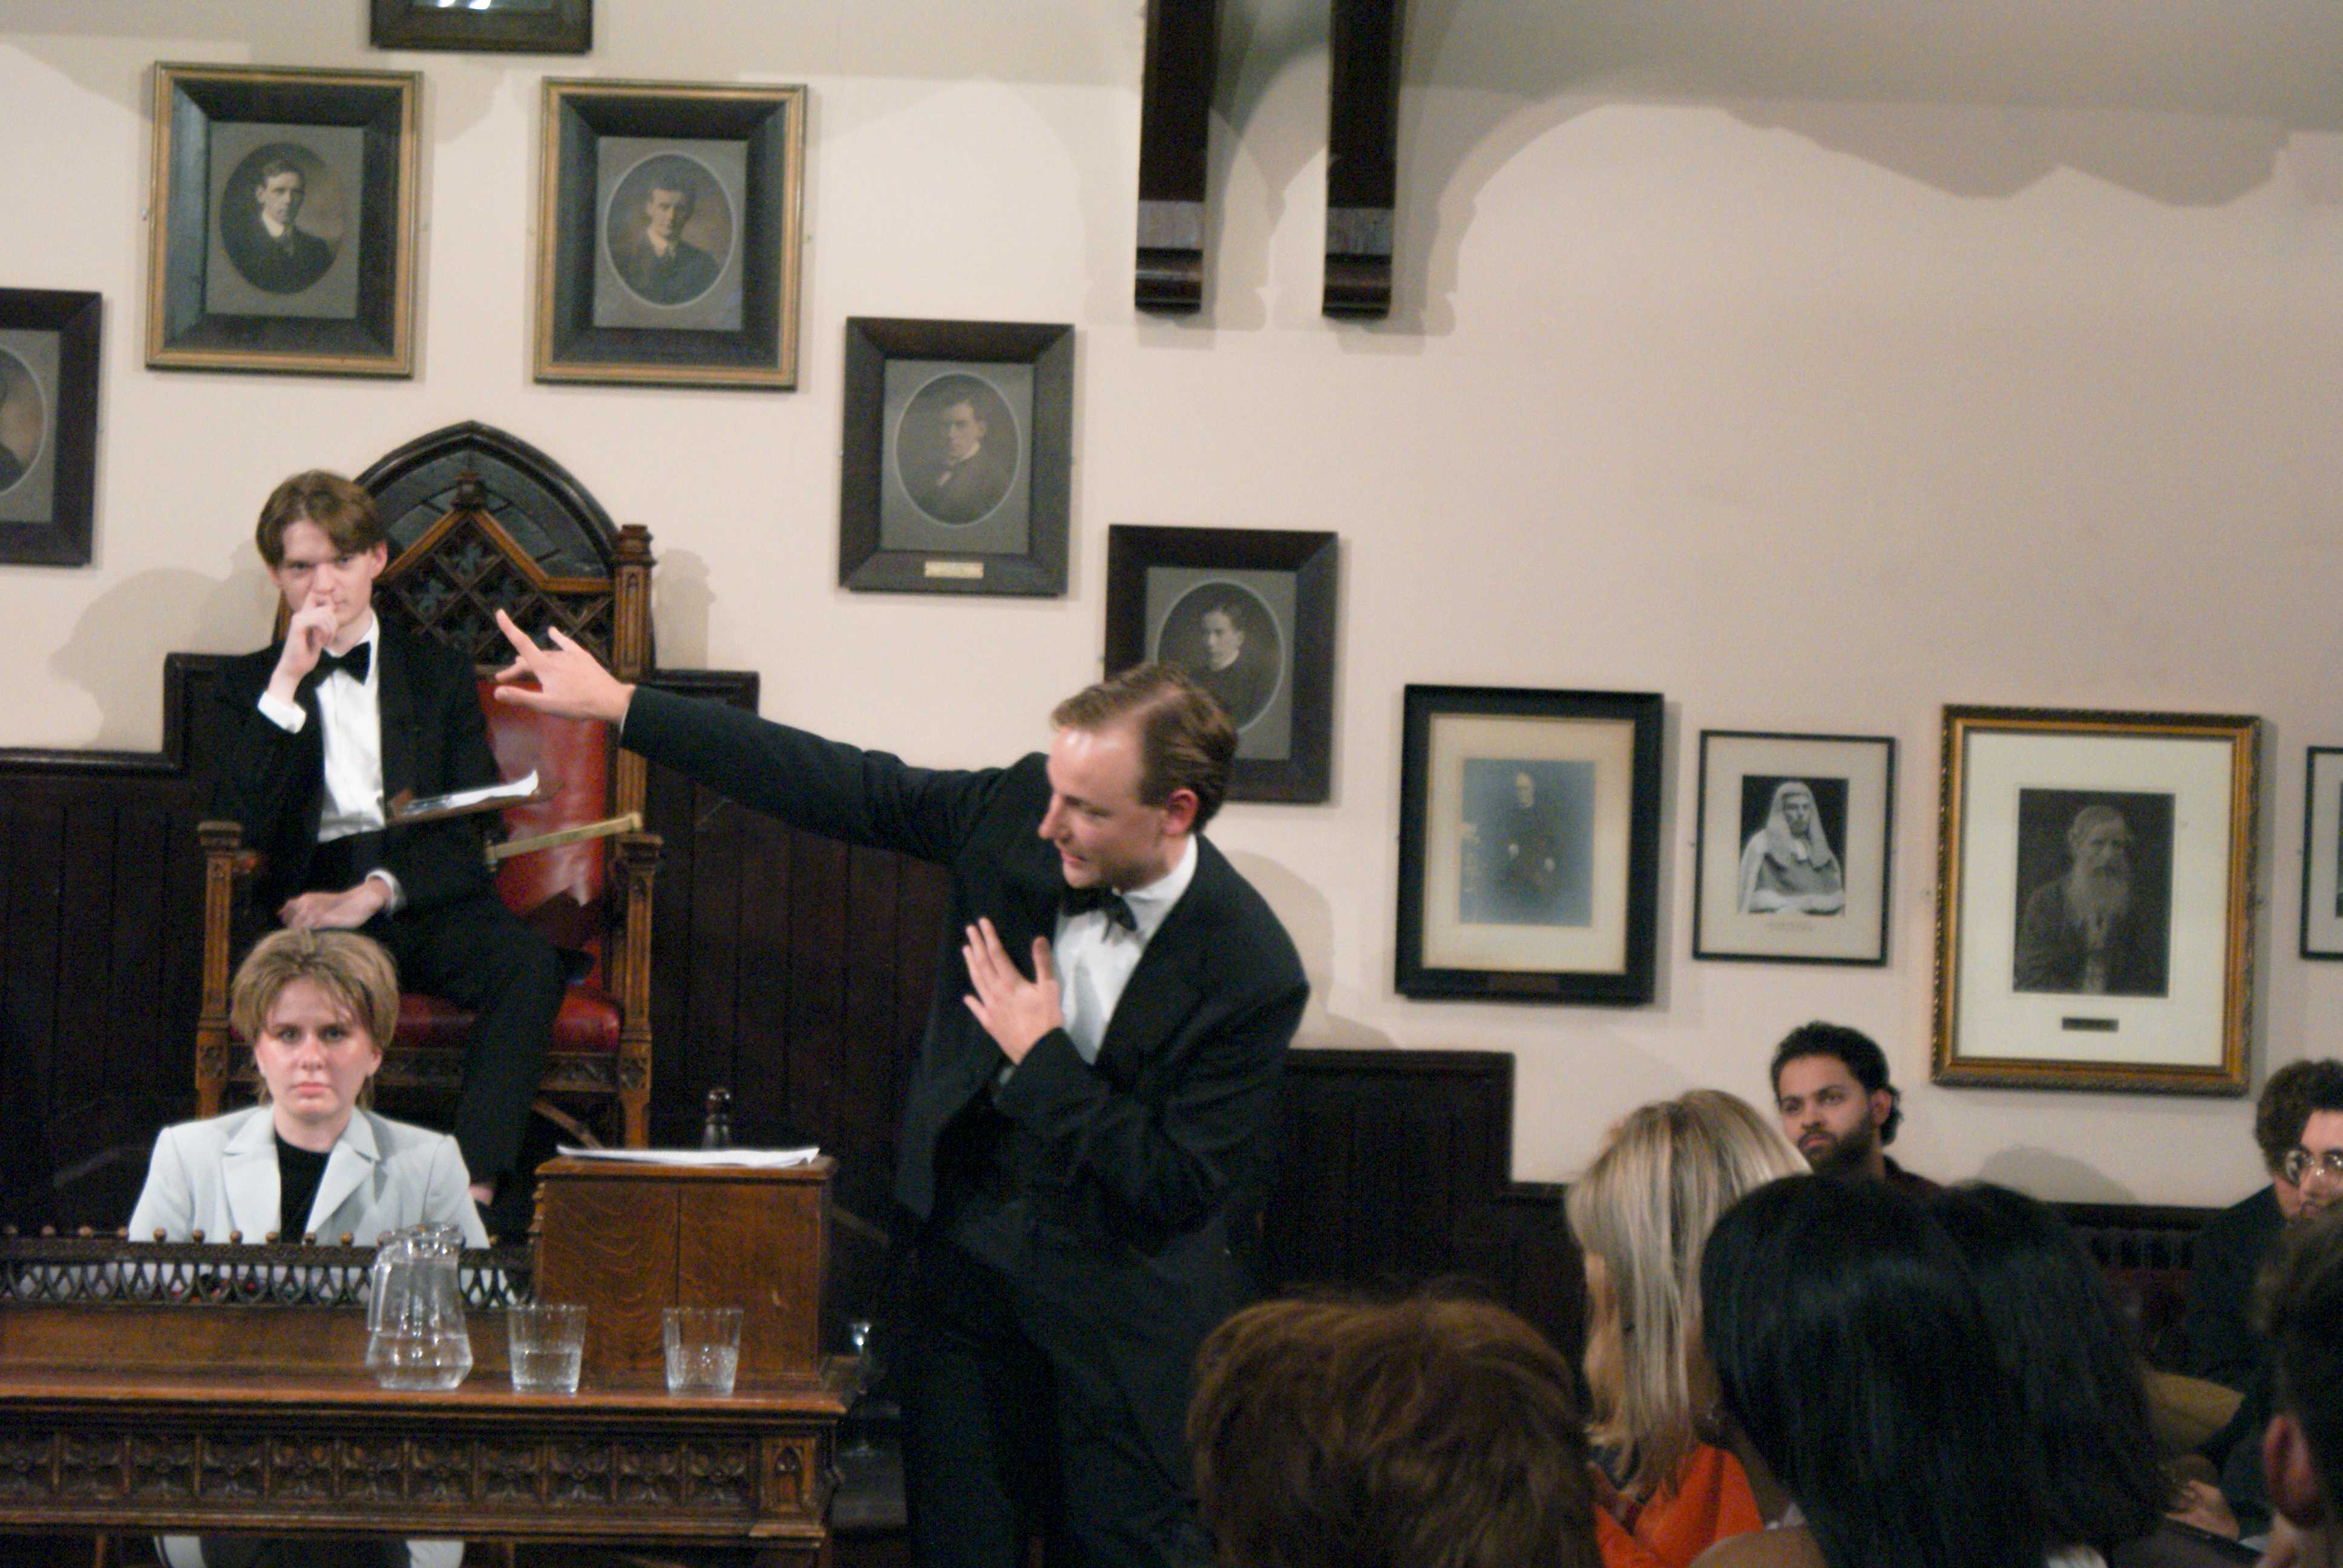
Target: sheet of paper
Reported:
[(760, 1159), (455, 801)]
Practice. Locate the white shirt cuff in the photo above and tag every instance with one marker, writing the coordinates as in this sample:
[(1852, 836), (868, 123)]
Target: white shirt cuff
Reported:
[(398, 894), (289, 717)]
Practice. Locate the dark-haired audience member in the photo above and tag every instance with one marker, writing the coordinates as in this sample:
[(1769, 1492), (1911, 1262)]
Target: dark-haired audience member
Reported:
[(1424, 1433), (2223, 1347), (1640, 1215), (1851, 1347), (2312, 1165), (2302, 1450), (1831, 1088), (2063, 1345)]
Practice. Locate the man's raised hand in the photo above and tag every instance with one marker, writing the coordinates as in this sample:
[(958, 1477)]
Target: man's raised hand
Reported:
[(311, 628), (571, 682)]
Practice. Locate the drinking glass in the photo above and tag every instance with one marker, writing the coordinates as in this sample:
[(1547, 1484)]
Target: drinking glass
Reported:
[(546, 1341), (703, 1349)]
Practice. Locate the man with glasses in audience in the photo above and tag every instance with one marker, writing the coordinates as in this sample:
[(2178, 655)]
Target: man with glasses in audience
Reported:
[(2299, 1125)]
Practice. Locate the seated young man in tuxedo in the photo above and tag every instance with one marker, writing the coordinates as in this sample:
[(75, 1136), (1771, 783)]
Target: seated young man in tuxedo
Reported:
[(320, 731)]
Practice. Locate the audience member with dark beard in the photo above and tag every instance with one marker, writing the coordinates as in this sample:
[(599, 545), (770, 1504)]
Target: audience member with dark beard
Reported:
[(1832, 1094), (2090, 931)]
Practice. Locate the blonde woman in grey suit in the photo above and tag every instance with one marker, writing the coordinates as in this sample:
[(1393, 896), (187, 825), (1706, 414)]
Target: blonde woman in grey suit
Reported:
[(308, 1159)]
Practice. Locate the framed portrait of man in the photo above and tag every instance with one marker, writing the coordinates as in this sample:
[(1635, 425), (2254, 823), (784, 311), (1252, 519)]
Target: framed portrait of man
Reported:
[(1529, 845), (513, 26), (283, 220), (670, 223), (2322, 853), (957, 456), (2095, 926), (1249, 614), (48, 425), (1793, 838)]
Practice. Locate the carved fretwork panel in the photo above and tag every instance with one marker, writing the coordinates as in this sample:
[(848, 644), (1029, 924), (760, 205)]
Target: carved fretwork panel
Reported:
[(473, 569), (57, 1470)]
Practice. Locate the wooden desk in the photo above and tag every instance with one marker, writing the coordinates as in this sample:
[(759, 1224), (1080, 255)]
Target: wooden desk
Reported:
[(135, 1447)]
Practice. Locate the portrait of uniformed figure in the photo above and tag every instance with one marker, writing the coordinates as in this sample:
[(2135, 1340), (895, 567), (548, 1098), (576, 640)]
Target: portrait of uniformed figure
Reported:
[(1788, 866), (1528, 842), (260, 220), (22, 421), (654, 213), (2097, 925), (959, 449), (1223, 635)]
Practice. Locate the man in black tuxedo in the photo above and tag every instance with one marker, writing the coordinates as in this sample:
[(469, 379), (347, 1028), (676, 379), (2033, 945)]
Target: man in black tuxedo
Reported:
[(320, 729), (267, 243), (1076, 1144)]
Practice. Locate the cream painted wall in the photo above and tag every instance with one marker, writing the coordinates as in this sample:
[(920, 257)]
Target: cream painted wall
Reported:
[(1814, 363)]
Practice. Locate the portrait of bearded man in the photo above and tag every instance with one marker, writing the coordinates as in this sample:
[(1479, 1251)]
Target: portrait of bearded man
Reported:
[(2094, 930)]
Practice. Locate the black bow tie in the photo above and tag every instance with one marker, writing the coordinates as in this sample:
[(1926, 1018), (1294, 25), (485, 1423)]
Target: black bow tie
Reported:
[(1105, 901), (352, 664)]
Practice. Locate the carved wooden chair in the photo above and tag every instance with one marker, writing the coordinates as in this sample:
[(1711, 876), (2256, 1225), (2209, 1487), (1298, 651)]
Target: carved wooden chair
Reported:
[(481, 521)]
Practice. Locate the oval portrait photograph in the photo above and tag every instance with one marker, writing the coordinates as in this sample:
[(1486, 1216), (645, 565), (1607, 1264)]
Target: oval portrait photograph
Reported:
[(958, 448), (24, 421), (669, 229), (1224, 635), (283, 217)]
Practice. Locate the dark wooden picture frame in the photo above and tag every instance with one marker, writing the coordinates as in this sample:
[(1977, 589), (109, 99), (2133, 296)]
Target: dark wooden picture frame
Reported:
[(1272, 592), (335, 303), (1529, 848), (48, 425), (563, 27), (2322, 853), (2094, 917), (730, 317), (909, 386), (1795, 839)]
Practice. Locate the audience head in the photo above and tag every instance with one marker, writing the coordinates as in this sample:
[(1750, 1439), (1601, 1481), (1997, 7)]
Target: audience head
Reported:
[(2299, 1122), (2063, 1345), (351, 974), (1425, 1433), (1640, 1214), (1851, 1347), (1831, 1089), (340, 509), (2302, 1312)]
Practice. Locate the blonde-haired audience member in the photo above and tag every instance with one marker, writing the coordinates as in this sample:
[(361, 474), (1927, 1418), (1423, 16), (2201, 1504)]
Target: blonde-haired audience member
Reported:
[(1424, 1433), (1640, 1215)]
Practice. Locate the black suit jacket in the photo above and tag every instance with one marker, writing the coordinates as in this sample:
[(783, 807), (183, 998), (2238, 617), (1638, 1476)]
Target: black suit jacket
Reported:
[(1123, 1173), (434, 739), (2227, 1258)]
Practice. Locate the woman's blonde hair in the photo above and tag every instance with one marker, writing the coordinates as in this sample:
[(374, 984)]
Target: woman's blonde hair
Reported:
[(1640, 1214), (352, 969)]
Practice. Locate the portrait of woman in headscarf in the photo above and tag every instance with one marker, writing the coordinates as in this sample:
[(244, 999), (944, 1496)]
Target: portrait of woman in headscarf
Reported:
[(1788, 866)]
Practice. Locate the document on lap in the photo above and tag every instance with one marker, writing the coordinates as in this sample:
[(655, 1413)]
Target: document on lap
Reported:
[(405, 809)]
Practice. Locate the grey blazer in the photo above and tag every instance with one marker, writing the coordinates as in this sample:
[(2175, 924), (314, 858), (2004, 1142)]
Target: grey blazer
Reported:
[(220, 1176)]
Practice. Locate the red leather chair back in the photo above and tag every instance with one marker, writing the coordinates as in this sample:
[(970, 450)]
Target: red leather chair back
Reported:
[(574, 757)]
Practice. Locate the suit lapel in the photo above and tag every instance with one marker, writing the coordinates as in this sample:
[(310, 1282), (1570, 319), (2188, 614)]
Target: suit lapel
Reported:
[(1163, 988), (248, 1179), (395, 696), (348, 1169)]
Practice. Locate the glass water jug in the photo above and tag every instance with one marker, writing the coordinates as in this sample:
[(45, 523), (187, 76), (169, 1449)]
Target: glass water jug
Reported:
[(415, 1310)]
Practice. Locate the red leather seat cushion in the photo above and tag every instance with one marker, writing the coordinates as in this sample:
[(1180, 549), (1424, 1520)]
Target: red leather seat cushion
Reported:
[(587, 1022)]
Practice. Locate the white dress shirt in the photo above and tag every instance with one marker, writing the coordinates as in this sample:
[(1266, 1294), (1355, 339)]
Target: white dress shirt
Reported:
[(351, 712), (1095, 956)]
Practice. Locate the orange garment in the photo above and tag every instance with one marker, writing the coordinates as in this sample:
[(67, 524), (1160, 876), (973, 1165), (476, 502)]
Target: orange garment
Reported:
[(1708, 1500)]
